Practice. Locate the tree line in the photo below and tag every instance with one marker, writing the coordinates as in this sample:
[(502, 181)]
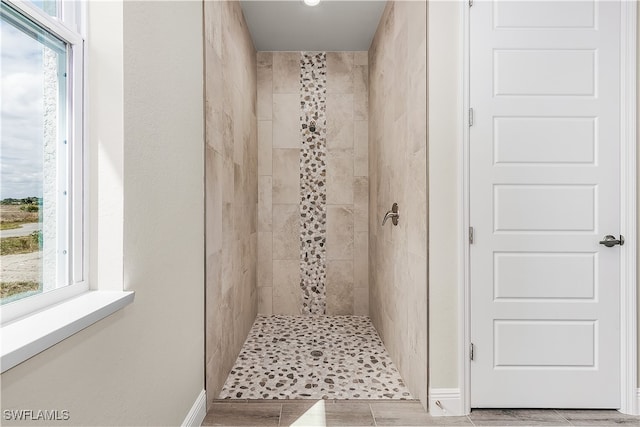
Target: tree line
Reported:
[(24, 201)]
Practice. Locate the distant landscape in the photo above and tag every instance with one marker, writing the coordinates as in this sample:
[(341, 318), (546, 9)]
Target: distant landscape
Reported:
[(14, 212), (20, 253)]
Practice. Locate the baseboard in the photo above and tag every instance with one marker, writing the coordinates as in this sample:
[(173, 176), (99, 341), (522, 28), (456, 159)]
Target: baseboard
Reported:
[(632, 406), (445, 402), (198, 411)]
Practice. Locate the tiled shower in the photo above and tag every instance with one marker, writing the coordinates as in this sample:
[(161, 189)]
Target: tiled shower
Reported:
[(305, 152), (312, 184)]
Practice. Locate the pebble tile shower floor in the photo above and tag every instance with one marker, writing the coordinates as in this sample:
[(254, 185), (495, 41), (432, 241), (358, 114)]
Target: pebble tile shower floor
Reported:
[(314, 357)]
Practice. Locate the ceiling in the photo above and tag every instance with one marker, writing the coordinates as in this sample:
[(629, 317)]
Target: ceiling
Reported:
[(333, 25)]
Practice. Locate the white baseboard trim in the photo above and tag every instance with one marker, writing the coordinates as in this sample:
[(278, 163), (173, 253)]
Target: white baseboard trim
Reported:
[(198, 411), (634, 407), (445, 402)]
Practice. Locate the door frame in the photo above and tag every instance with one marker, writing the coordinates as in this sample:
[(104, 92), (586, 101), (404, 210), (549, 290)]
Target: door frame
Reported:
[(630, 391)]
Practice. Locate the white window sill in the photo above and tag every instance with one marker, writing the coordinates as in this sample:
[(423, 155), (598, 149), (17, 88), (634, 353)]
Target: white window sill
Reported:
[(28, 336)]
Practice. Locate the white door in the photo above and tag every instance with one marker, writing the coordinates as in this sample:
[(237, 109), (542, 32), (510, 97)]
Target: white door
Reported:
[(544, 188)]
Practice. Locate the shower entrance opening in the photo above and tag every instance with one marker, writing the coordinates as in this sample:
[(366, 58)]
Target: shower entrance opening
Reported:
[(305, 152)]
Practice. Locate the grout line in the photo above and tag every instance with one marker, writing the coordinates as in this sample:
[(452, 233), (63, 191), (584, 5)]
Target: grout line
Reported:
[(470, 420), (375, 423), (561, 416), (280, 416)]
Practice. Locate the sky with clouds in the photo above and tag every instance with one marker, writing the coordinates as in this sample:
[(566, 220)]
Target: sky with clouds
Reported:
[(22, 117)]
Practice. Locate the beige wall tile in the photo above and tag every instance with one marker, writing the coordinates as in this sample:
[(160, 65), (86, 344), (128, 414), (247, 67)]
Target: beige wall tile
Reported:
[(265, 203), (286, 121), (240, 124), (286, 72), (264, 86), (361, 79), (232, 71), (418, 133), (339, 72), (418, 29), (215, 121), (347, 157), (264, 58), (397, 169), (213, 36), (361, 148), (416, 212), (265, 300), (339, 288), (213, 101), (213, 297), (361, 259), (416, 329), (265, 258), (361, 203), (227, 135), (339, 177), (231, 189), (213, 201), (265, 147), (339, 121), (361, 301), (286, 175), (286, 232), (361, 58), (340, 232), (360, 106), (286, 287)]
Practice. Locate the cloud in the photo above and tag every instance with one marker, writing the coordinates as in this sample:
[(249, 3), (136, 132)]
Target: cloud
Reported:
[(22, 114)]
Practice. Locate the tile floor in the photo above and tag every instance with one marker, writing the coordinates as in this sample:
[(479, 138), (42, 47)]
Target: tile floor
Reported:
[(394, 413), (314, 357), (334, 371)]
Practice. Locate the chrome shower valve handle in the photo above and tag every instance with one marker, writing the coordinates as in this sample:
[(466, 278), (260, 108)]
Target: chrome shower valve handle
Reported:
[(392, 214)]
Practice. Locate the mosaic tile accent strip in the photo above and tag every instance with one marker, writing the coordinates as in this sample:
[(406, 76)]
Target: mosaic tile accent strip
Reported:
[(314, 357), (313, 175)]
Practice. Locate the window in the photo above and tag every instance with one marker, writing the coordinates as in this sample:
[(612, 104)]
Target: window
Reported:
[(42, 257), (43, 180)]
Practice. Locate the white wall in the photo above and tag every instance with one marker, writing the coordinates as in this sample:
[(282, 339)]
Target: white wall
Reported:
[(143, 365), (445, 127), (106, 136), (638, 185)]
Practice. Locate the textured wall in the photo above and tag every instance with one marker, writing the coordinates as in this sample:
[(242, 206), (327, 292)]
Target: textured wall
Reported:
[(638, 200), (144, 364), (445, 131), (49, 215), (231, 187), (281, 265), (398, 173)]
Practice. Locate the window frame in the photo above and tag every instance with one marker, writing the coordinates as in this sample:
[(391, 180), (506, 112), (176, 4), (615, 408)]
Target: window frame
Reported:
[(68, 28), (47, 319)]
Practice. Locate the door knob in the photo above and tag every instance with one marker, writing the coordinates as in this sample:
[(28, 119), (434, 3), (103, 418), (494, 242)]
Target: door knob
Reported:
[(610, 241)]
